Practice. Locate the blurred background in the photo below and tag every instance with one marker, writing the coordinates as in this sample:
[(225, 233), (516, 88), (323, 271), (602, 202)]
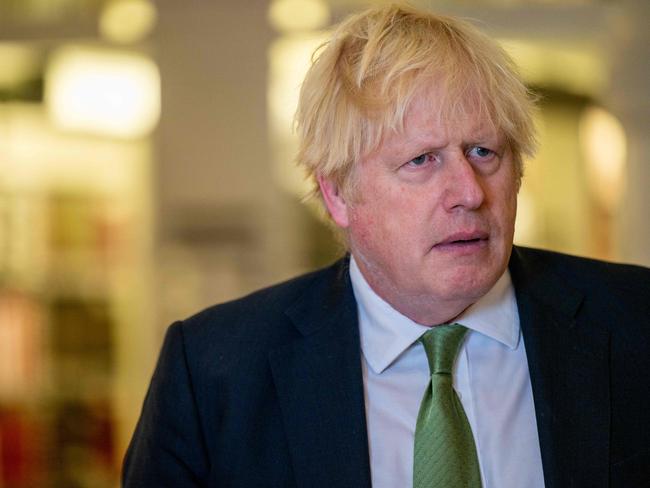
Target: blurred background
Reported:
[(146, 171)]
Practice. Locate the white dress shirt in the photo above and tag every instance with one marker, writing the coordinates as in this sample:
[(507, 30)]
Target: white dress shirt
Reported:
[(490, 376)]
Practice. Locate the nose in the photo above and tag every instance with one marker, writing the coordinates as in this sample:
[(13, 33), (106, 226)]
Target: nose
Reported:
[(464, 185)]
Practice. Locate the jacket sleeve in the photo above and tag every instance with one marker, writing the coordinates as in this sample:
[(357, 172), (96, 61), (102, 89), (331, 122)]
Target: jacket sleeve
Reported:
[(168, 448)]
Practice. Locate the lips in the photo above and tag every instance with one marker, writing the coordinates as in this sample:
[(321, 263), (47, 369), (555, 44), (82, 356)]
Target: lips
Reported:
[(464, 238)]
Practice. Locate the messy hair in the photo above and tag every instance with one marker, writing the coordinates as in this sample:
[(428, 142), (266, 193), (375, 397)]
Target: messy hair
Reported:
[(362, 81)]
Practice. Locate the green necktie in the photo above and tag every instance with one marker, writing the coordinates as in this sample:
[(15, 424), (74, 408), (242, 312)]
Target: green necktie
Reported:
[(444, 454)]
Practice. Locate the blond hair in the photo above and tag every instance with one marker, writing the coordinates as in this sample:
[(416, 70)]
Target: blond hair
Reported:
[(362, 81)]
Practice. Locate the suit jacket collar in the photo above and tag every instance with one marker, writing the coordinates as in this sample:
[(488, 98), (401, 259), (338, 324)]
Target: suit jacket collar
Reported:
[(569, 370), (320, 386)]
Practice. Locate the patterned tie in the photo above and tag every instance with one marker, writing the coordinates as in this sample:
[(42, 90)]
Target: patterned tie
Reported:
[(444, 455)]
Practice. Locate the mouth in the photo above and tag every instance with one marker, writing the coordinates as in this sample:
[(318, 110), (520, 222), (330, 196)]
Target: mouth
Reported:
[(467, 241)]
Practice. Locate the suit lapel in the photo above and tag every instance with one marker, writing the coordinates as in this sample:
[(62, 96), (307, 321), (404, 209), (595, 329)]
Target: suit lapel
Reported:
[(320, 387), (569, 370)]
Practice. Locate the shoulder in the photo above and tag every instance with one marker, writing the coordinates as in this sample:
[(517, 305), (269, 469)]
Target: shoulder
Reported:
[(607, 288), (263, 313), (585, 271)]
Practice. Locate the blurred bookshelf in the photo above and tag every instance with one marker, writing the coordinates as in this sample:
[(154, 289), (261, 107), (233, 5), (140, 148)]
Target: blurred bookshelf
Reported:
[(71, 282)]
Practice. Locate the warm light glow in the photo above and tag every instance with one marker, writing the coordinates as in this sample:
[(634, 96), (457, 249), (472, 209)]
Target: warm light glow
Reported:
[(63, 160), (17, 64), (299, 15), (289, 59), (127, 21), (602, 139), (103, 92)]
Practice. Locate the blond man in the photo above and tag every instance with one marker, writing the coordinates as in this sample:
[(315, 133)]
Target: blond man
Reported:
[(435, 354)]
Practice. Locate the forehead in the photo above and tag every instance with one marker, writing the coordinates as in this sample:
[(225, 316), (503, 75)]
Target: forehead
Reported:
[(432, 121), (449, 112)]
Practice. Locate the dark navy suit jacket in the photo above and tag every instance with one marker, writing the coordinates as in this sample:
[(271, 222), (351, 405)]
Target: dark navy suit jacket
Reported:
[(267, 391)]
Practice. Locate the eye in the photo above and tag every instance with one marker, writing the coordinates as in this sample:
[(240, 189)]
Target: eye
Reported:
[(480, 152), (420, 160)]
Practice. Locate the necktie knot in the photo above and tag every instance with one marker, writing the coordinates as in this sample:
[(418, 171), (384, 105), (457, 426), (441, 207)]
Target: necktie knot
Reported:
[(441, 344)]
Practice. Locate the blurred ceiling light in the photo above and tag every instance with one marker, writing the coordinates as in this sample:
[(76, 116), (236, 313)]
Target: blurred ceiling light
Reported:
[(298, 15), (103, 92), (602, 140), (127, 21), (544, 63), (289, 59), (17, 63)]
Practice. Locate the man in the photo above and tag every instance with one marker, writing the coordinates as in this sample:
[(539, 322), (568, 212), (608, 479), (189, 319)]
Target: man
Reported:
[(435, 354)]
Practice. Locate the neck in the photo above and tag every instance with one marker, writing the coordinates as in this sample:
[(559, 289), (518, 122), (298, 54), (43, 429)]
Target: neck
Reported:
[(424, 309)]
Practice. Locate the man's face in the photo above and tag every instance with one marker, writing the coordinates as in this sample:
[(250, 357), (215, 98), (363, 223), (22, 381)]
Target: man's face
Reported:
[(432, 222)]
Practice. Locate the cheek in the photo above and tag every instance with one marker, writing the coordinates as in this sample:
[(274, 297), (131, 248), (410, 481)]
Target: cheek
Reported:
[(373, 226), (362, 226), (362, 230), (512, 202), (504, 201), (508, 203), (390, 215)]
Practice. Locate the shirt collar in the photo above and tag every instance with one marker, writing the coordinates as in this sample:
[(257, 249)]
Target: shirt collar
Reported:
[(495, 313), (385, 333)]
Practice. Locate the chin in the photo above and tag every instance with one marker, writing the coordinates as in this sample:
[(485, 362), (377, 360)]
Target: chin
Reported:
[(470, 285)]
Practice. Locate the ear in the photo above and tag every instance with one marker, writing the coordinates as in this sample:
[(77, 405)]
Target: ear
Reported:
[(334, 201)]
